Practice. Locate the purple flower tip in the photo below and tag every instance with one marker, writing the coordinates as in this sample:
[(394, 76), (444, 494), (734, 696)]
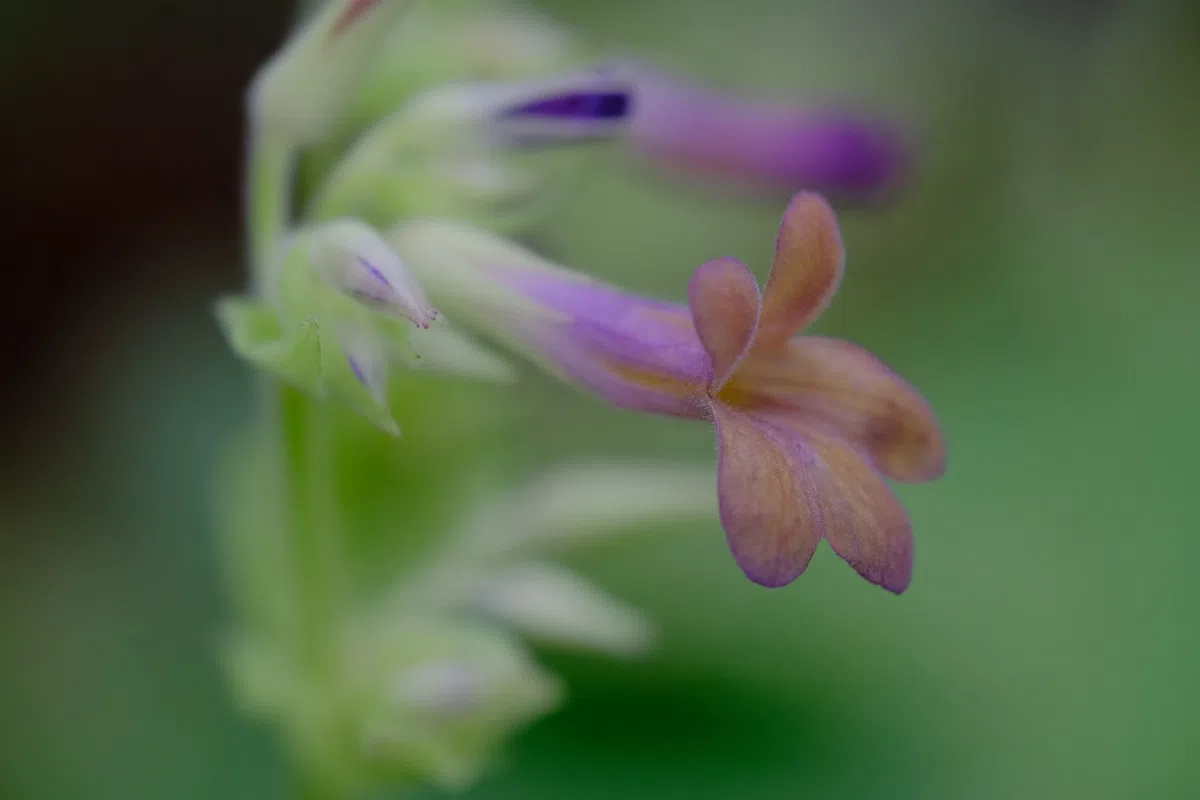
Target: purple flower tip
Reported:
[(357, 369), (576, 106), (846, 156)]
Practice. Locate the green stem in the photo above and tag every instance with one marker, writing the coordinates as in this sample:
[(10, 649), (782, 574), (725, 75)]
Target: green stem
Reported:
[(307, 463), (304, 452)]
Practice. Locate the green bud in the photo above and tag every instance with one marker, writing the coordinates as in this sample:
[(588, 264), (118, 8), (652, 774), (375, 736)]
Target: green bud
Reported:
[(355, 261), (303, 92), (432, 699)]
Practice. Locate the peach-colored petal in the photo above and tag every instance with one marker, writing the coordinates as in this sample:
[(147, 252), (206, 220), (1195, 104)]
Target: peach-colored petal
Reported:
[(768, 497), (864, 521), (841, 387), (724, 299), (806, 270)]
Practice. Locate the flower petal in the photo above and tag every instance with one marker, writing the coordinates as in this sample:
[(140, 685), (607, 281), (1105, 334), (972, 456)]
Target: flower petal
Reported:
[(637, 352), (806, 270), (725, 301), (837, 385), (768, 497), (763, 146), (864, 521)]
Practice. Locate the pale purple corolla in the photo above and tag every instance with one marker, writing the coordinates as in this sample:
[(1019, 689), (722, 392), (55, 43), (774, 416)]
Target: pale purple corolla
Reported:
[(808, 428), (846, 155)]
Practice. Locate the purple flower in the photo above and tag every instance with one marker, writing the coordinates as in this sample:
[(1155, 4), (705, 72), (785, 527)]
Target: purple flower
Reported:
[(846, 156), (807, 427)]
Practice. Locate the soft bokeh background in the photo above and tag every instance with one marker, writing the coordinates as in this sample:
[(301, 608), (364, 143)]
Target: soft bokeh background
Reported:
[(1039, 283)]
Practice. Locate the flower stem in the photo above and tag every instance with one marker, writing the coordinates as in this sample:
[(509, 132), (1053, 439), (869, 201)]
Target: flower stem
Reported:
[(304, 453), (311, 506)]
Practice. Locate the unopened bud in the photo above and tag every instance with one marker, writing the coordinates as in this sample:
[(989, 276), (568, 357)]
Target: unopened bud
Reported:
[(303, 92), (357, 262), (553, 604), (433, 698)]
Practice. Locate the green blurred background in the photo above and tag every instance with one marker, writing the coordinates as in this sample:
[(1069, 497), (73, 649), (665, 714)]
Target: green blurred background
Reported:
[(1039, 283)]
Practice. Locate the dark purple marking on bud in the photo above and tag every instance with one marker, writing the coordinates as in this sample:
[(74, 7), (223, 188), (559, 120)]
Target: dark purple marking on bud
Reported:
[(375, 271), (356, 368), (366, 293), (576, 106)]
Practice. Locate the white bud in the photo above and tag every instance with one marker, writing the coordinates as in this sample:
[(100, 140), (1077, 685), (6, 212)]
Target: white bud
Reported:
[(553, 604), (444, 689), (355, 260)]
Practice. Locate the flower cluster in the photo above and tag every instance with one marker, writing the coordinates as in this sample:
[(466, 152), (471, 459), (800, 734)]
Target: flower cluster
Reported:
[(392, 146), (806, 426)]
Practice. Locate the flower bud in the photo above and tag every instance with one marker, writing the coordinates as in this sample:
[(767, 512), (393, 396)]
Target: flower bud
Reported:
[(356, 261), (340, 309), (552, 604), (431, 699), (441, 43), (303, 92)]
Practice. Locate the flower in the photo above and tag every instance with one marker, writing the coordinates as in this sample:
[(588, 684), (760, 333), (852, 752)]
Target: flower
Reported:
[(845, 155), (807, 427)]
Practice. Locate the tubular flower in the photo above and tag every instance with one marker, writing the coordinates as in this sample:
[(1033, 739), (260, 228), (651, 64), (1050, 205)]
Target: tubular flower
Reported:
[(807, 427), (846, 156)]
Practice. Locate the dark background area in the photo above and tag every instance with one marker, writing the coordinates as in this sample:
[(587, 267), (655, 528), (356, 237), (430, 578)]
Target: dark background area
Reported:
[(123, 129)]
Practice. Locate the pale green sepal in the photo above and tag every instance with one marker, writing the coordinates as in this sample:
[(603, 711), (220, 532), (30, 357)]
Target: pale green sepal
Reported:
[(290, 352)]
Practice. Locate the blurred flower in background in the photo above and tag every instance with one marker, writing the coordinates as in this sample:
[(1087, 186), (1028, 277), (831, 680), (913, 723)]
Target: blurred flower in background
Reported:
[(757, 145)]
